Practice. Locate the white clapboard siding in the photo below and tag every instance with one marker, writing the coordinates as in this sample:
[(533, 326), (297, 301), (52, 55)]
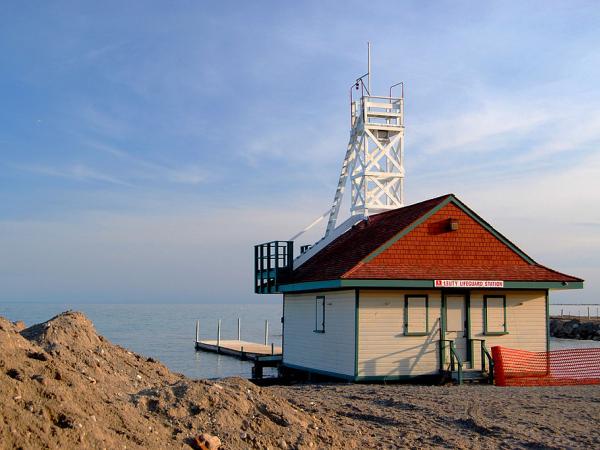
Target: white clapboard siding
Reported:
[(525, 321), (383, 349), (331, 351)]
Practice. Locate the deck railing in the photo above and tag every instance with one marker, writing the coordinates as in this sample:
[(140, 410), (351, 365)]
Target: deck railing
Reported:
[(272, 261)]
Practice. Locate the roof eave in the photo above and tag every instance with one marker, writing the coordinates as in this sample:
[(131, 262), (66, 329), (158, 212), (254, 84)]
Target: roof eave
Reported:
[(308, 286)]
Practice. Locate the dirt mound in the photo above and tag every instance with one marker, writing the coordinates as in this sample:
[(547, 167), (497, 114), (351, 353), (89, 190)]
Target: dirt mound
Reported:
[(64, 386), (70, 330)]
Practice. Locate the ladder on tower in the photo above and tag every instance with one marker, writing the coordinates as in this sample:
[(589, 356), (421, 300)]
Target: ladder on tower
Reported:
[(339, 192)]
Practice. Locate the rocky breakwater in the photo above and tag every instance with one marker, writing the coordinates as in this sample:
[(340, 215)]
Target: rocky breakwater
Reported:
[(575, 329)]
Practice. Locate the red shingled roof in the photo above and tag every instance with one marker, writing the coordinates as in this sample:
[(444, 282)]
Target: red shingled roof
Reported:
[(413, 243)]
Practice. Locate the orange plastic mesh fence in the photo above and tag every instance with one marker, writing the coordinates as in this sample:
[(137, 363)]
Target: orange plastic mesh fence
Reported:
[(556, 368)]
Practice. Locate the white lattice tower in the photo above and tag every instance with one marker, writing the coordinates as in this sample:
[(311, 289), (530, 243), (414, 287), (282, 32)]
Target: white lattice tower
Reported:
[(374, 158)]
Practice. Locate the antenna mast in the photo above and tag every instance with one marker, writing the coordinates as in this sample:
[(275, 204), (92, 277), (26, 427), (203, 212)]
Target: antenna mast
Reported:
[(369, 66), (374, 159)]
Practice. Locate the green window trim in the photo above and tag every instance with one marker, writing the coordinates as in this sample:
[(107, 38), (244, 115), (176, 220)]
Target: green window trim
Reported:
[(486, 332), (406, 306), (319, 304)]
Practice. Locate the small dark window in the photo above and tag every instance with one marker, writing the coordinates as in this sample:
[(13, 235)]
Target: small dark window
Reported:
[(320, 314)]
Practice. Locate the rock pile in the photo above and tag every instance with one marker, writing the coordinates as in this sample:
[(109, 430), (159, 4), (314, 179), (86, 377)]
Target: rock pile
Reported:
[(575, 329), (64, 386)]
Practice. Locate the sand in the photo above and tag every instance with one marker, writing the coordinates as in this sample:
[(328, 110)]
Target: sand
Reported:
[(468, 416), (64, 386)]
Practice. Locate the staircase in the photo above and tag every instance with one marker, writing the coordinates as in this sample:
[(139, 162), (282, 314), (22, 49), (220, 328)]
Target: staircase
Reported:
[(455, 370)]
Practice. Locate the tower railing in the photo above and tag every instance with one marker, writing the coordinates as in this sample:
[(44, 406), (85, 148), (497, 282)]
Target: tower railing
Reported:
[(378, 111), (272, 262)]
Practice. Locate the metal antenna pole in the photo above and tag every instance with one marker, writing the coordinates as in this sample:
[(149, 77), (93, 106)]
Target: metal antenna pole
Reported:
[(369, 66)]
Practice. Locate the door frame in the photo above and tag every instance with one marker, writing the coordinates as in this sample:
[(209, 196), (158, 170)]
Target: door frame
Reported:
[(467, 295)]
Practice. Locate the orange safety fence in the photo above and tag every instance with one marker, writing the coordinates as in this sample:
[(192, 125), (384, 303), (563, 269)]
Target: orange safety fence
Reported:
[(555, 368)]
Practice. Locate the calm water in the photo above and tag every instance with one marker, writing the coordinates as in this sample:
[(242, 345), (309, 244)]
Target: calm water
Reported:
[(167, 332)]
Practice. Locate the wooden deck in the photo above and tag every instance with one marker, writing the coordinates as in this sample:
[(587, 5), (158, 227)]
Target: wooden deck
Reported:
[(240, 349)]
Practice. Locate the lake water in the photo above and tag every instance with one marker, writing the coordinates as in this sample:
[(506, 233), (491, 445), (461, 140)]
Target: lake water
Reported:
[(167, 331)]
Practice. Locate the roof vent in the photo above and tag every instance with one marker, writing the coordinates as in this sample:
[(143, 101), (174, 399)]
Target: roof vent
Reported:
[(452, 224)]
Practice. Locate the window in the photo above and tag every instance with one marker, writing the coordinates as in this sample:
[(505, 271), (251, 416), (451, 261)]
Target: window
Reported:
[(494, 315), (416, 320), (320, 314)]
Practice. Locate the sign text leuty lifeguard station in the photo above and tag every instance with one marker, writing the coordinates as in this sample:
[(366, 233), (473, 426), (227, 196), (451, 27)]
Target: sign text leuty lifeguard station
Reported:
[(402, 291)]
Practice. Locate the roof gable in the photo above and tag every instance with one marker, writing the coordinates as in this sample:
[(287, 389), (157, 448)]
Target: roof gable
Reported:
[(413, 243), (360, 241)]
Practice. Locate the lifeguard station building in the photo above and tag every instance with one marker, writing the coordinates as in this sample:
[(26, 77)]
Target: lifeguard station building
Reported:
[(396, 291)]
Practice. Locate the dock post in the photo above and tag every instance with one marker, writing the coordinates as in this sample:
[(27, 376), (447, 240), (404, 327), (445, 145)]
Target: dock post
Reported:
[(218, 334), (588, 313), (197, 330), (266, 332), (272, 349), (561, 312), (239, 329)]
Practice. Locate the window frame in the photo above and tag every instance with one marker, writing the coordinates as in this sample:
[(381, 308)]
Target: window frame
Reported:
[(487, 332), (406, 303), (320, 329)]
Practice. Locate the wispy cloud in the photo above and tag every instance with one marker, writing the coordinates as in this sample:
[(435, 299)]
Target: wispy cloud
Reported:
[(472, 130), (145, 169), (78, 172)]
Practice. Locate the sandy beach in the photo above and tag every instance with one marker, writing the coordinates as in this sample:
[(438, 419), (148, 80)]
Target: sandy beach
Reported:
[(478, 416), (64, 386)]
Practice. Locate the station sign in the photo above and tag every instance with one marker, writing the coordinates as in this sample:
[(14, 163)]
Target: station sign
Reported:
[(468, 284)]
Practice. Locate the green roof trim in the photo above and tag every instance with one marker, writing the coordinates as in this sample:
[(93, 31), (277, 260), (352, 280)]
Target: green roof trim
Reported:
[(417, 284), (472, 214)]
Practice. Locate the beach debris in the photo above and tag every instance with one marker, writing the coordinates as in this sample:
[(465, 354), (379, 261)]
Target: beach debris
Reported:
[(207, 442)]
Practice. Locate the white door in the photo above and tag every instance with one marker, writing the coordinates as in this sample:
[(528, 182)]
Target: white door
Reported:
[(456, 323)]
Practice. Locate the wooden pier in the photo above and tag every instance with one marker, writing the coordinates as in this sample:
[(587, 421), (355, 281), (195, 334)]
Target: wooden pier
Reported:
[(263, 355), (240, 349)]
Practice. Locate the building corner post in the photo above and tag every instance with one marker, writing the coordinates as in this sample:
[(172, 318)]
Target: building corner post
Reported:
[(356, 330)]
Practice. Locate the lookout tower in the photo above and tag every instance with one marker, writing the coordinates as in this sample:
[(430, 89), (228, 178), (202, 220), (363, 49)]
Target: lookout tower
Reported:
[(374, 160)]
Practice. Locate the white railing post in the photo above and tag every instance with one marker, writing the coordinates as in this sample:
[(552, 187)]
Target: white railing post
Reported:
[(266, 332), (197, 331), (219, 333)]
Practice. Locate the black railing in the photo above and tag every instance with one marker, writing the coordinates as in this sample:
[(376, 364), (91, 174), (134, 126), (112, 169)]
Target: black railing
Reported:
[(486, 356), (456, 365), (272, 262)]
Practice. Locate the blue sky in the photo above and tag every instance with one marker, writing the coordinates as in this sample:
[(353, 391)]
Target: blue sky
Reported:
[(145, 147)]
